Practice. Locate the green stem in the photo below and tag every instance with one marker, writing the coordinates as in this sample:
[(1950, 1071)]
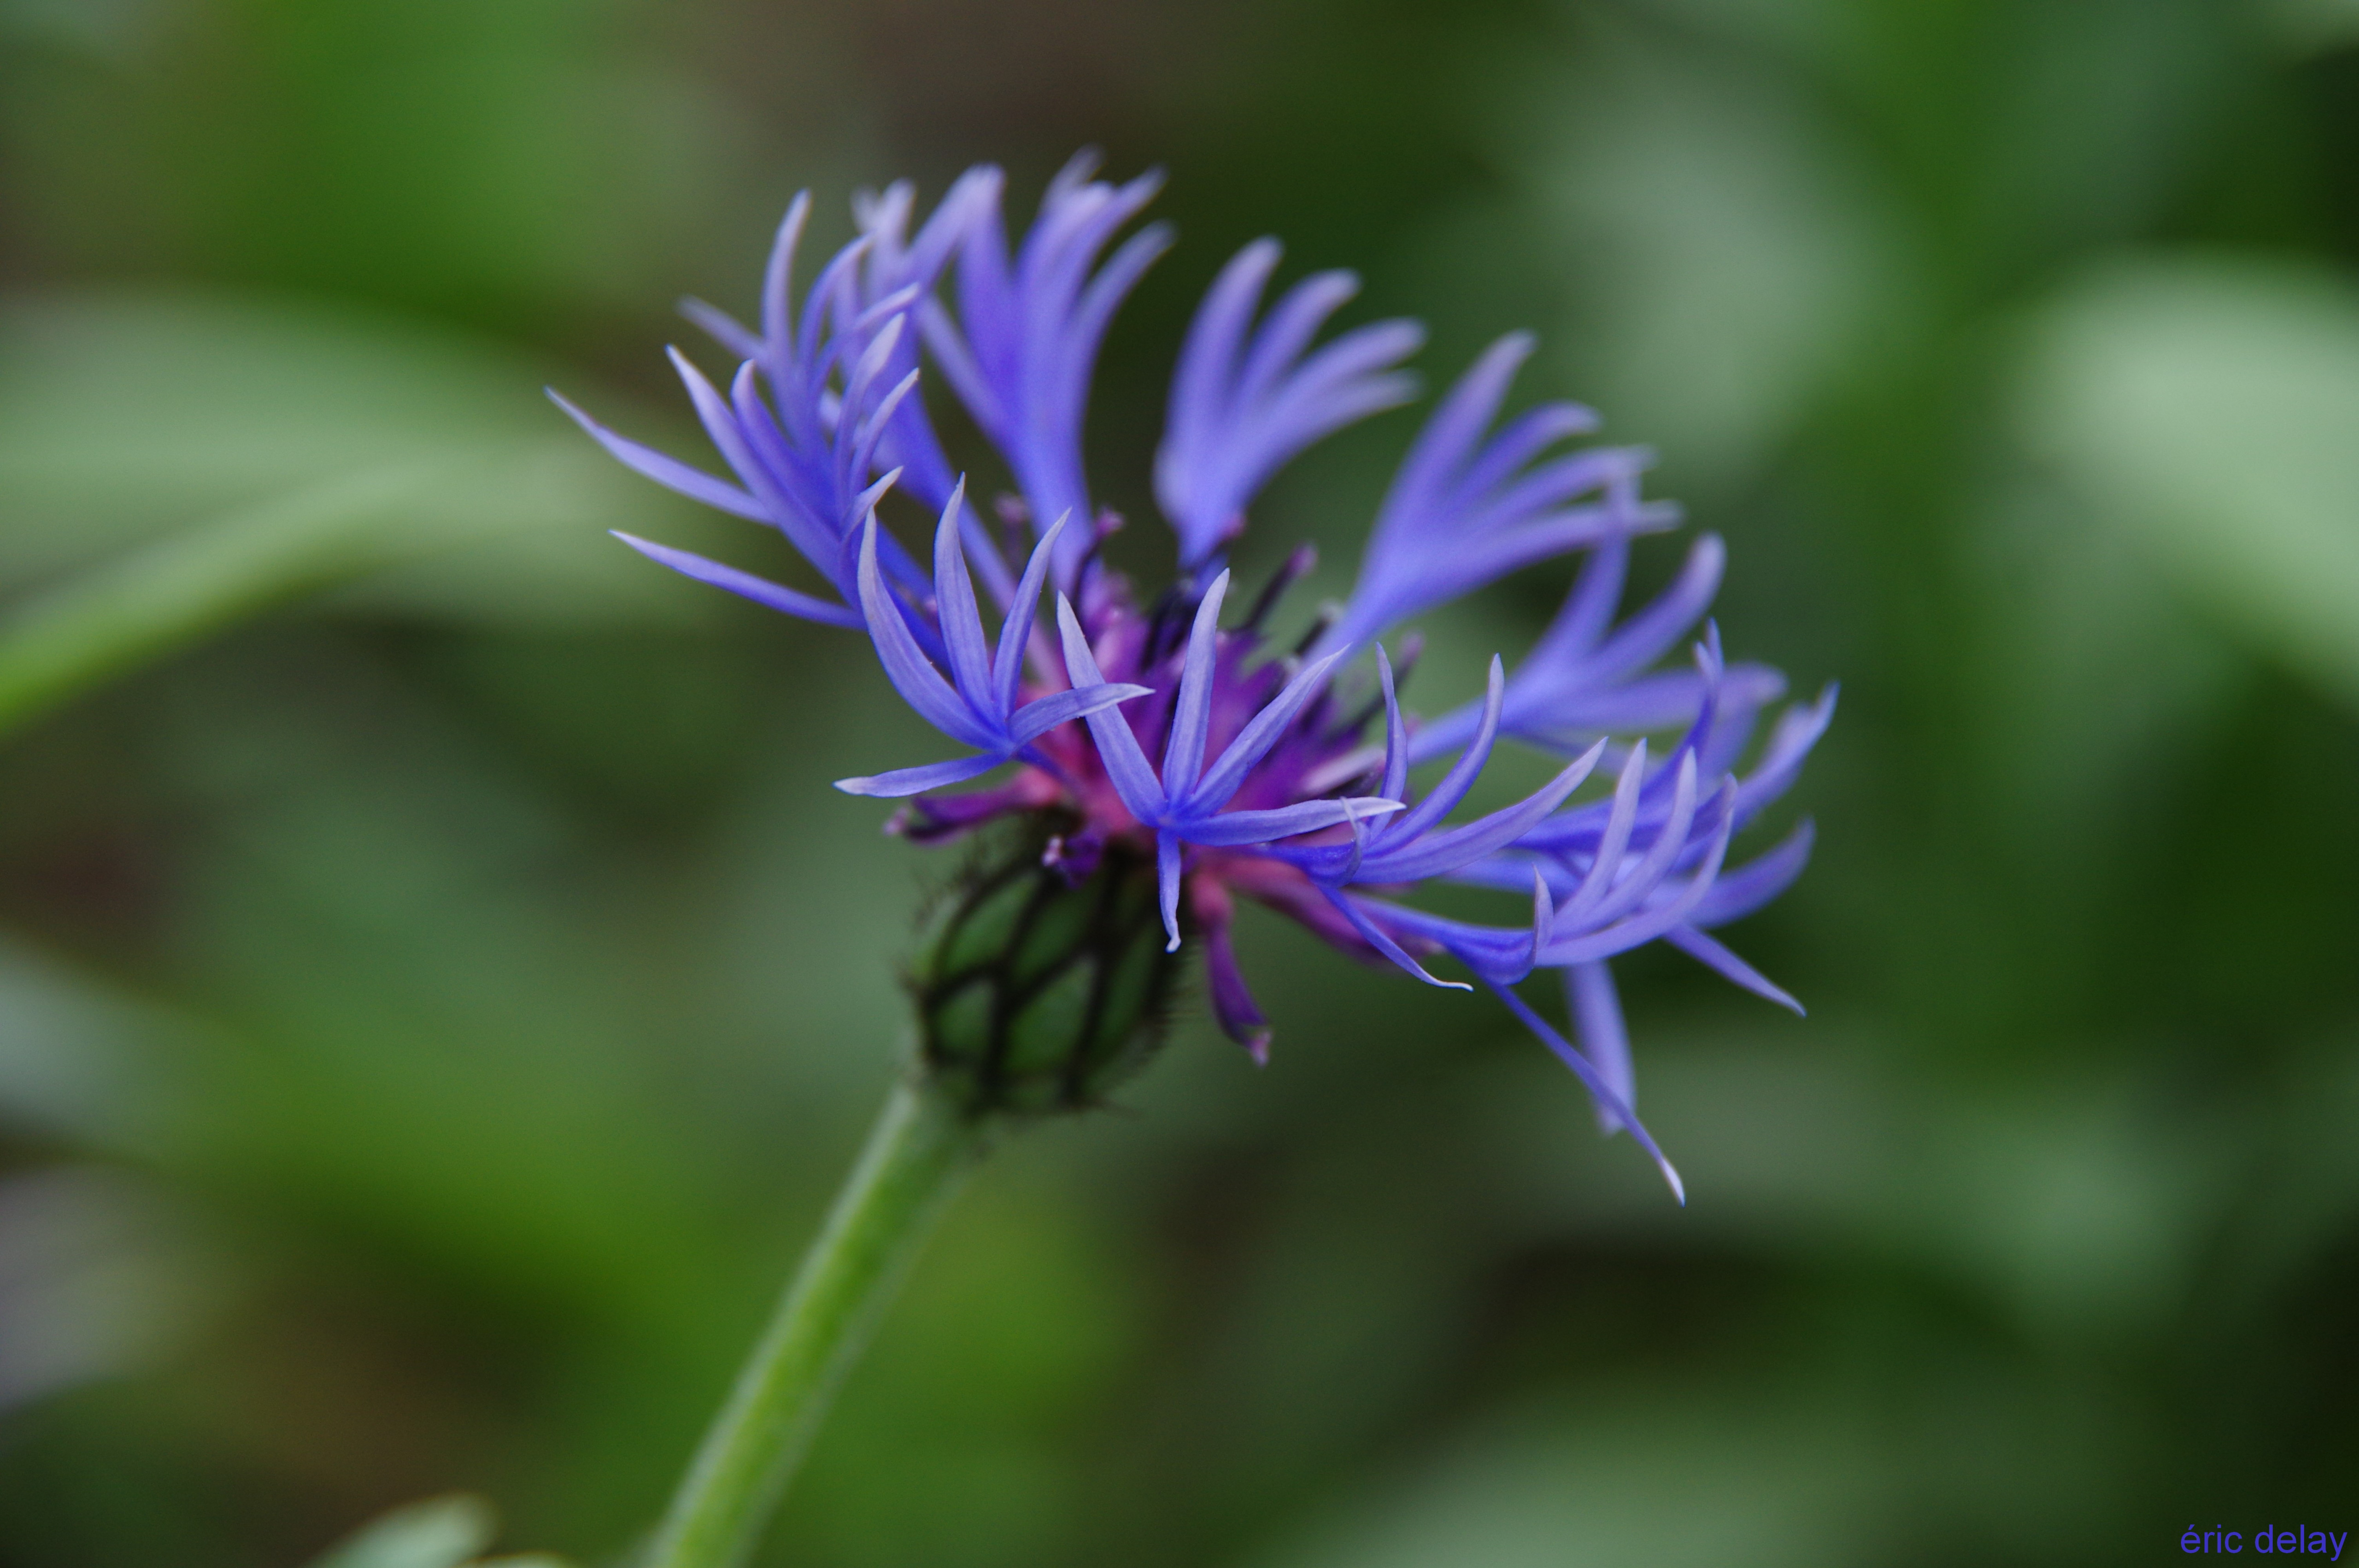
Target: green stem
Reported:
[(920, 1147)]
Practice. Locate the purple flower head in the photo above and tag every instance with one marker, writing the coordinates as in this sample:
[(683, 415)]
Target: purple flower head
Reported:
[(1230, 768)]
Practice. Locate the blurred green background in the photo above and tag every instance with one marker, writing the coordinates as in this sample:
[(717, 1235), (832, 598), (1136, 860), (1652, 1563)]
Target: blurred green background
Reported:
[(434, 1009)]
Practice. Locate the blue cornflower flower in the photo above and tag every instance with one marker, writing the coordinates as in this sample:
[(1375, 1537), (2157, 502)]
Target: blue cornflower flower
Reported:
[(1202, 765)]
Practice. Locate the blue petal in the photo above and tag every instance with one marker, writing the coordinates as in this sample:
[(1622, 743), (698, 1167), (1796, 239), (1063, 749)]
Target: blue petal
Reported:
[(961, 618), (1461, 511), (1709, 951), (1183, 755), (1741, 892), (778, 277), (1455, 785), (1036, 719), (1596, 1013), (1797, 730), (1395, 733), (721, 424), (1118, 749), (1198, 386), (667, 471), (745, 584), (1026, 338), (1646, 636), (1015, 632), (1451, 434), (1651, 923), (1383, 942), (1599, 882), (1439, 854), (1230, 829), (1670, 843), (1588, 609), (905, 666), (722, 328), (916, 781), (1236, 423), (1254, 742), (1166, 885), (1598, 1088)]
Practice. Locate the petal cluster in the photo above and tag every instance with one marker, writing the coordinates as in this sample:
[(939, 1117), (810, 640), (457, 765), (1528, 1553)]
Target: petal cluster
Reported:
[(977, 705), (1247, 399), (1186, 803), (1244, 770), (1468, 508)]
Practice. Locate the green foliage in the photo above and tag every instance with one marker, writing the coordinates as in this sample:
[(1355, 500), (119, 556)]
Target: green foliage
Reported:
[(439, 989), (2206, 406), (443, 1532), (231, 457)]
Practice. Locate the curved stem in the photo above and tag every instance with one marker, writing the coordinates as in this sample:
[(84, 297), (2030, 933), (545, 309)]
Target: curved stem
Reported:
[(920, 1147)]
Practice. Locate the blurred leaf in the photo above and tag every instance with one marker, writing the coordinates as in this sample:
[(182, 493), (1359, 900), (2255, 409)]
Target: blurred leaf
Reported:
[(1731, 256), (125, 413), (1954, 1465), (189, 584), (428, 1040), (124, 416), (2097, 679), (102, 29), (1664, 1483), (517, 158), (2312, 26), (2208, 407), (194, 582), (328, 447), (77, 1060), (100, 1274), (442, 1533)]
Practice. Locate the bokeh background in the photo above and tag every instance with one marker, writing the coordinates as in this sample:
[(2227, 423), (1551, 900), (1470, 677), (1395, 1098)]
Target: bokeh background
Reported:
[(436, 1003)]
